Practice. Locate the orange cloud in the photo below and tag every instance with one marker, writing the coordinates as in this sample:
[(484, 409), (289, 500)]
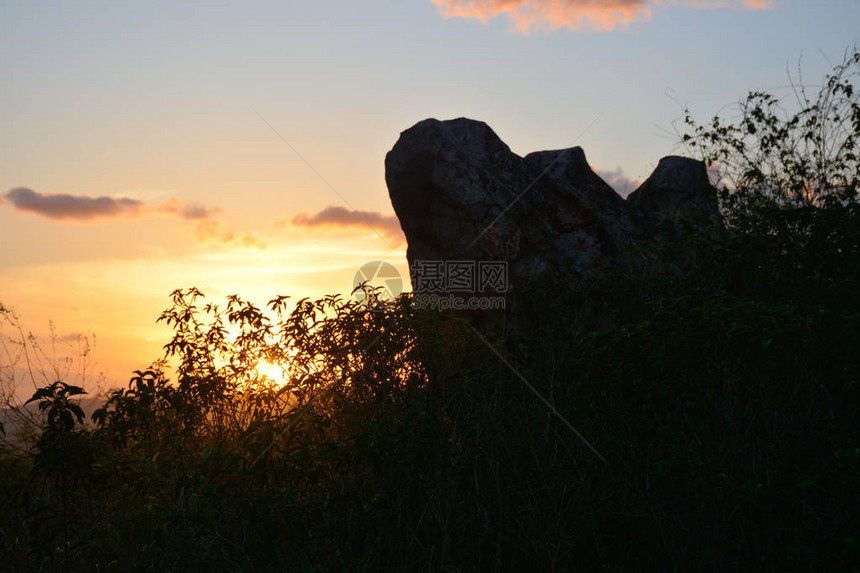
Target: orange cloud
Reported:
[(174, 206), (599, 15), (340, 217), (209, 231), (83, 208)]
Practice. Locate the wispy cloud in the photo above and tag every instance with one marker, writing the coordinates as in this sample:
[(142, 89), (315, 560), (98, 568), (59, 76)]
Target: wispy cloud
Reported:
[(83, 208), (61, 206), (213, 232), (622, 184), (336, 217), (527, 16), (187, 211)]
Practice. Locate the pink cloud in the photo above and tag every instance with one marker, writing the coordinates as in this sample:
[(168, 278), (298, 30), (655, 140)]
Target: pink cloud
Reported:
[(62, 206), (715, 176), (527, 16), (622, 184), (340, 217), (83, 208)]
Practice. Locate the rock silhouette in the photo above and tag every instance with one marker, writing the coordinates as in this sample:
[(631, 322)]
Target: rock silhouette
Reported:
[(461, 194)]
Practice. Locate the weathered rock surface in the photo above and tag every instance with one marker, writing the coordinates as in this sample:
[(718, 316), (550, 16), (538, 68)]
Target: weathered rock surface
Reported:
[(461, 194), (679, 188)]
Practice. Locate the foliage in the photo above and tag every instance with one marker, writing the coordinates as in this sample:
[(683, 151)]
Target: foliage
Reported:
[(28, 361), (54, 400), (771, 157), (398, 440)]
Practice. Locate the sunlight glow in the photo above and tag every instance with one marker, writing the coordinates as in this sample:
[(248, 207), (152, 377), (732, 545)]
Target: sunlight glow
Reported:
[(274, 373)]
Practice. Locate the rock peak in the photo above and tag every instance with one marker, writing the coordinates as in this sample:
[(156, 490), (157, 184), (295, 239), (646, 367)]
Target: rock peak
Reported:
[(461, 194)]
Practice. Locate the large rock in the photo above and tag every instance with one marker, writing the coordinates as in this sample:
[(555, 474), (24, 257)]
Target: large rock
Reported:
[(462, 195), (680, 189)]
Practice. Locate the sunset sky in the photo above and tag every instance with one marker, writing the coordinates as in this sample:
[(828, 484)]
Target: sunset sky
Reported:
[(157, 145)]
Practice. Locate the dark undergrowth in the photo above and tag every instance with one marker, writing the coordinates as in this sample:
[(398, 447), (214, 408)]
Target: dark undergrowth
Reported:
[(725, 409)]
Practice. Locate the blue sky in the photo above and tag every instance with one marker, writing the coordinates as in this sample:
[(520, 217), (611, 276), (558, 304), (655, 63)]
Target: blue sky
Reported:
[(160, 103)]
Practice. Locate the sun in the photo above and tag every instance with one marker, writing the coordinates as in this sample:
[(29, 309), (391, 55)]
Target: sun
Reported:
[(271, 372)]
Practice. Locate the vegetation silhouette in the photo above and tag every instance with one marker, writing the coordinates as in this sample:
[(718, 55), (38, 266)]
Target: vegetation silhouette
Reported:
[(394, 439)]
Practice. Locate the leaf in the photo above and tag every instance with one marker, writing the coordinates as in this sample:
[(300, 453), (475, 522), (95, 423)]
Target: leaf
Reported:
[(41, 393), (77, 411)]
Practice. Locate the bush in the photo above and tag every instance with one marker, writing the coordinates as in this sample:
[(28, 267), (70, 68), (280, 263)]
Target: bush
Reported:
[(771, 157)]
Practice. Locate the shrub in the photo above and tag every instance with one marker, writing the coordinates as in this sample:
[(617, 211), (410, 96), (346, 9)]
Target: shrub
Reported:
[(770, 157)]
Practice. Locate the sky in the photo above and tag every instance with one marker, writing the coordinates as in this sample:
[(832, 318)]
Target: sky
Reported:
[(150, 146)]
